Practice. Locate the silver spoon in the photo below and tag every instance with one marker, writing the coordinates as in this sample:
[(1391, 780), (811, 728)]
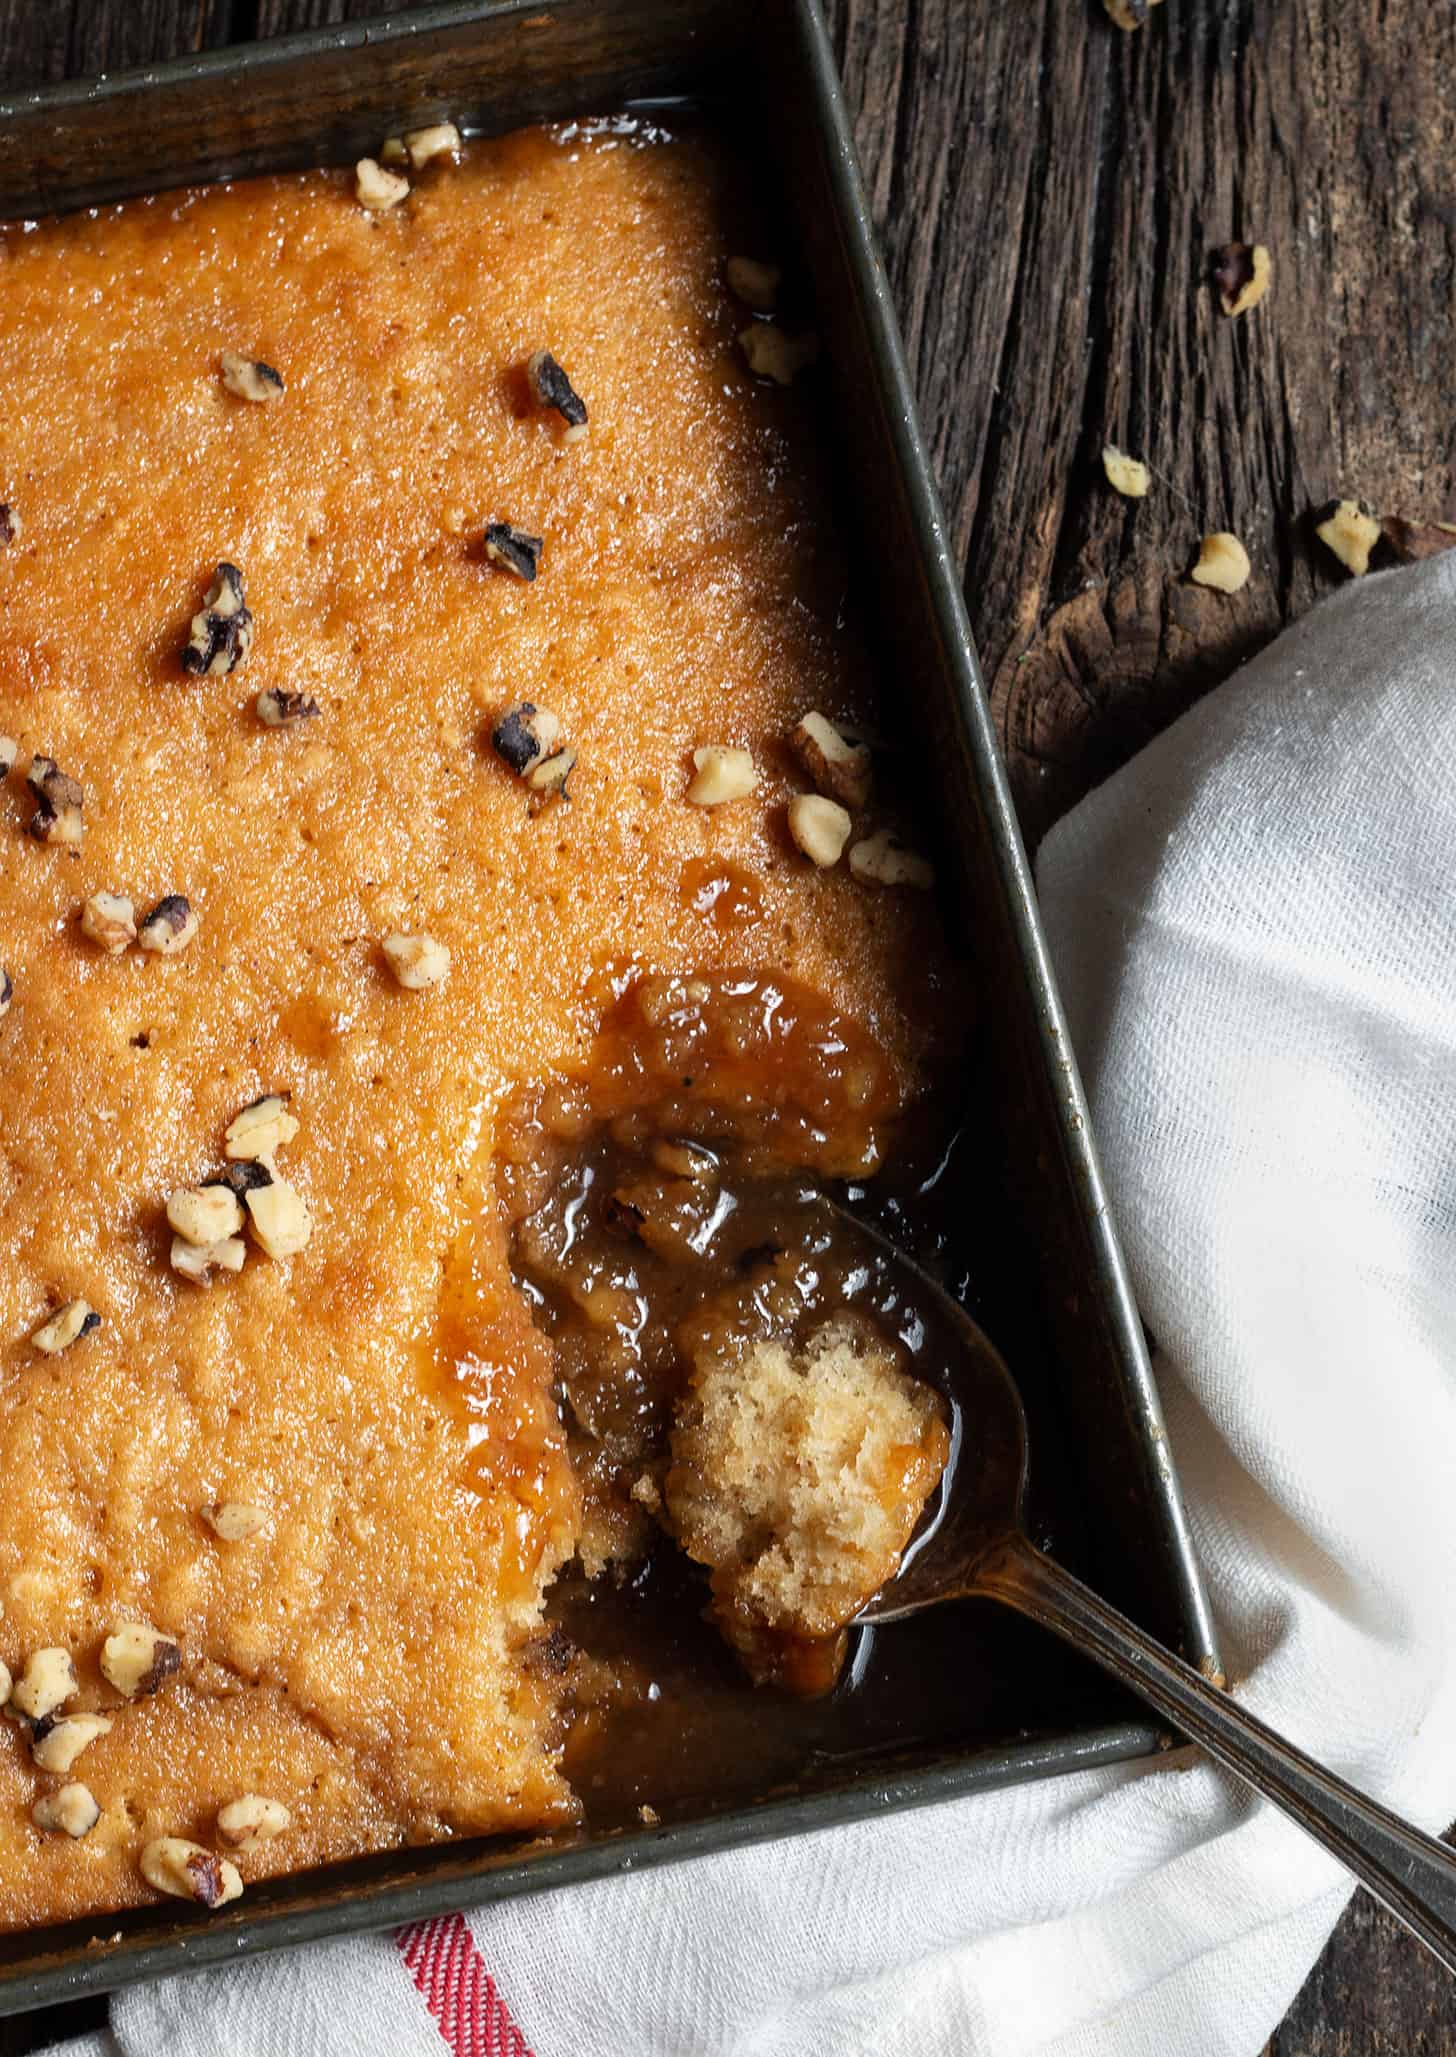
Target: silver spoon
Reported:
[(980, 1549)]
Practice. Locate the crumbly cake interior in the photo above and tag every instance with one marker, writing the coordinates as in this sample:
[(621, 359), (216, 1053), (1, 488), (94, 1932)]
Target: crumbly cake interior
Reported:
[(380, 1402), (798, 1476)]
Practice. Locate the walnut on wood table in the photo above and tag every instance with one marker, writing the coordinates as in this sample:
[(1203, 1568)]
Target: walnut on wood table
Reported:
[(1050, 191)]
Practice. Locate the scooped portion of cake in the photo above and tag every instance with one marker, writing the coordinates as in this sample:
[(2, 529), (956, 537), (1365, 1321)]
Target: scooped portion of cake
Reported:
[(798, 1476)]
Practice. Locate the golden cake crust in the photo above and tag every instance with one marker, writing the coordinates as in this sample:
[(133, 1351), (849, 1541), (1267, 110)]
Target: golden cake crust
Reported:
[(355, 1659)]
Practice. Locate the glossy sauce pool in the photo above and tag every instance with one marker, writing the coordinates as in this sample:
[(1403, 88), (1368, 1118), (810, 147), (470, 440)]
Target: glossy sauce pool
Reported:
[(669, 1191)]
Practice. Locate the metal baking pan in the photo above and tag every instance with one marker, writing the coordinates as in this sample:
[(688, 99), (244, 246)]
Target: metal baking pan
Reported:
[(1039, 1245)]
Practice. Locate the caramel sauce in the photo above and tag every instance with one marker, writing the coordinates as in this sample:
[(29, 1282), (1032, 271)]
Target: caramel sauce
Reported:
[(668, 1197), (722, 891)]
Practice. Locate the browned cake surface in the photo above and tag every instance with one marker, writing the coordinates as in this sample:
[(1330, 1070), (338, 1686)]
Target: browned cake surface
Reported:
[(358, 1658)]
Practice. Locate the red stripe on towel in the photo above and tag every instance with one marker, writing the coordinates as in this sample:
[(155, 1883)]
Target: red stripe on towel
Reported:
[(460, 1993)]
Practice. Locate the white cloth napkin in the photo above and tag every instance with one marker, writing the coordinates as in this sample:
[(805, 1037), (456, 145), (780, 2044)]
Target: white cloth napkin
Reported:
[(1252, 926)]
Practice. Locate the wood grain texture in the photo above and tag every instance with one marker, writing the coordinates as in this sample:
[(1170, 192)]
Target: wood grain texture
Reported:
[(1048, 192)]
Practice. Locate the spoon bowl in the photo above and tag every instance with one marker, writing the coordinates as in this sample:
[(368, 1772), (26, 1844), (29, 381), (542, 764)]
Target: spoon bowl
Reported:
[(976, 1546)]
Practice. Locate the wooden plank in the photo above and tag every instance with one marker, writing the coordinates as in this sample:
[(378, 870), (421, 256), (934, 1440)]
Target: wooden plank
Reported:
[(45, 40)]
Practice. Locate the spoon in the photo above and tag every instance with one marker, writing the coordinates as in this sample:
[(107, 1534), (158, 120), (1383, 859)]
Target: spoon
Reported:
[(979, 1548)]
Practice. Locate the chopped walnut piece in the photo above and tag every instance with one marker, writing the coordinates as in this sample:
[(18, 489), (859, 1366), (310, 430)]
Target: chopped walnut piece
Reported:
[(839, 764), (724, 773), (251, 1819), (550, 387), (1129, 14), (1126, 475), (250, 378), (1351, 533), (260, 1130), (1241, 273), (524, 735), (109, 919), (883, 860), (771, 353), (820, 827), (513, 549), (47, 1682), (55, 1745), (9, 751), (5, 1681), (416, 961), (66, 1326), (648, 1816), (7, 990), (169, 928), (438, 139), (222, 634), (235, 1521), (205, 1214), (378, 189), (9, 524), (277, 709), (1223, 563), (279, 1218), (198, 1261), (58, 817), (186, 1871), (394, 151), (547, 779), (137, 1658), (69, 1811), (756, 284)]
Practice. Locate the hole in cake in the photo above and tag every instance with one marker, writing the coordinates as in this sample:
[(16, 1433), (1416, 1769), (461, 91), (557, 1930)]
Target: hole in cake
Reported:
[(734, 1365)]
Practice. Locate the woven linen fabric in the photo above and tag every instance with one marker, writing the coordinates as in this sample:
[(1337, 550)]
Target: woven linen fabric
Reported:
[(1252, 926)]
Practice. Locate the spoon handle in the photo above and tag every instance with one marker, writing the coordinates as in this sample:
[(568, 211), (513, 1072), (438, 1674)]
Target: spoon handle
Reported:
[(1410, 1873)]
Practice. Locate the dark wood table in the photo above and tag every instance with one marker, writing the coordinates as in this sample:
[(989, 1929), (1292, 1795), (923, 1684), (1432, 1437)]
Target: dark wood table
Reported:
[(1048, 190)]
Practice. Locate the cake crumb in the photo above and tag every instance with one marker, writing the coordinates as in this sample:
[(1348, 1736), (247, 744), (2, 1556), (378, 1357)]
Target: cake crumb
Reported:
[(798, 1475)]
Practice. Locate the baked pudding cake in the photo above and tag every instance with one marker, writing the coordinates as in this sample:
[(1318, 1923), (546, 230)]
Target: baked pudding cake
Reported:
[(449, 915)]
